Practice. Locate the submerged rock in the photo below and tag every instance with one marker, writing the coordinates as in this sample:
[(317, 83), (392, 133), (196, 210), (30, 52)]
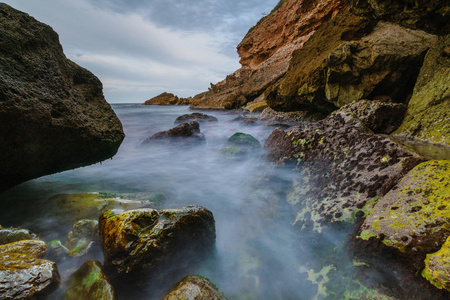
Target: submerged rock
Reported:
[(195, 288), (10, 235), (167, 99), (83, 237), (240, 146), (183, 134), (145, 240), (343, 168), (199, 117), (89, 282), (53, 115)]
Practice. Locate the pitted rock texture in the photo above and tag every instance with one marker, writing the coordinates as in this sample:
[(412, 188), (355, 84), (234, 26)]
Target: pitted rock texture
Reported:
[(167, 99), (272, 117), (414, 217), (198, 117), (343, 168), (266, 51), (437, 267), (378, 116), (195, 287), (429, 15), (428, 114), (183, 134), (53, 115), (147, 240)]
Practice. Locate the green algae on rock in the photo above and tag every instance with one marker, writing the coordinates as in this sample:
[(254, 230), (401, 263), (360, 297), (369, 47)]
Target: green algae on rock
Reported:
[(437, 267), (150, 240), (414, 217), (89, 282), (10, 235), (243, 140), (195, 287), (83, 237)]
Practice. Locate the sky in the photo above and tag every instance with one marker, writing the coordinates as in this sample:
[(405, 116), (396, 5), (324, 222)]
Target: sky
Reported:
[(141, 48)]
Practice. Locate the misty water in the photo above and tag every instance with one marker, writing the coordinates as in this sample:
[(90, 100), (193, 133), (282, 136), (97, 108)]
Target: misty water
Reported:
[(259, 254)]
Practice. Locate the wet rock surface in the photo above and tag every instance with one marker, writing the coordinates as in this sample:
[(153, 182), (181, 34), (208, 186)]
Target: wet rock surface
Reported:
[(195, 287), (83, 237), (89, 282), (240, 146), (343, 168), (198, 117), (53, 115), (183, 134), (10, 235), (147, 240), (34, 248), (167, 99)]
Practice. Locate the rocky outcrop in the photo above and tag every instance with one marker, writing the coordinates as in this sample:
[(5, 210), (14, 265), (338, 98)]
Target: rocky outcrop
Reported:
[(195, 287), (148, 240), (89, 282), (428, 115), (198, 117), (167, 99), (183, 134), (431, 16), (343, 168), (272, 117), (266, 51), (53, 115)]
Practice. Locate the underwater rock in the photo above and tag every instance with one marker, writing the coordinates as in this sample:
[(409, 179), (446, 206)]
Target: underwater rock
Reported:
[(147, 240), (167, 99), (414, 217), (195, 288), (10, 235), (272, 117), (378, 116), (53, 115), (437, 267), (34, 248), (199, 117), (24, 276), (83, 237), (428, 114), (57, 251), (183, 134), (343, 168), (89, 282)]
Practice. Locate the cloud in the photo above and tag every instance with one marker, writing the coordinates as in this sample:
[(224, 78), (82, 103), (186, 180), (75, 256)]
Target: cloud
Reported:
[(140, 48)]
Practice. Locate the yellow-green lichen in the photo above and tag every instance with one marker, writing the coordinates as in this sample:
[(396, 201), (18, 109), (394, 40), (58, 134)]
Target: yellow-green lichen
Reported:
[(437, 267)]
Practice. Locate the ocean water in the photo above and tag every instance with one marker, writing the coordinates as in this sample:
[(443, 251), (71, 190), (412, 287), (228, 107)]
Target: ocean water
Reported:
[(259, 254)]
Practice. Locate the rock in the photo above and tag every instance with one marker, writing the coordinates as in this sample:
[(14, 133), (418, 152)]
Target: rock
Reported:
[(343, 168), (167, 99), (428, 114), (243, 142), (198, 117), (34, 248), (354, 62), (10, 235), (431, 16), (183, 134), (257, 105), (83, 237), (23, 276), (147, 240), (266, 50), (57, 251), (195, 287), (89, 282), (414, 217), (232, 153), (378, 116), (437, 267), (53, 116), (272, 117)]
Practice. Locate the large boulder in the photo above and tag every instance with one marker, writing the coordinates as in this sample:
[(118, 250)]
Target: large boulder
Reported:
[(183, 134), (35, 248), (437, 267), (53, 115), (89, 282), (428, 114), (147, 240), (195, 288), (343, 168), (199, 117), (167, 99)]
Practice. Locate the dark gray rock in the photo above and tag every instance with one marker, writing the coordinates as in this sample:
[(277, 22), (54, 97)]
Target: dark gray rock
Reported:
[(199, 117), (183, 134)]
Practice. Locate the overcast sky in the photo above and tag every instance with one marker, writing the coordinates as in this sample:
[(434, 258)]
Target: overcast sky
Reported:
[(141, 48)]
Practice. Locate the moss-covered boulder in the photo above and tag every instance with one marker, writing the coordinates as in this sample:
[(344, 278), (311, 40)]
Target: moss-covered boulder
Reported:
[(437, 267), (428, 114), (240, 146), (83, 237), (195, 287), (378, 116), (34, 248), (10, 235), (149, 240), (183, 134), (89, 282), (414, 217), (342, 168)]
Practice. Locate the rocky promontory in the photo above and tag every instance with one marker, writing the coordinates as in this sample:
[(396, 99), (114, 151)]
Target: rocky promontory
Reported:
[(53, 115)]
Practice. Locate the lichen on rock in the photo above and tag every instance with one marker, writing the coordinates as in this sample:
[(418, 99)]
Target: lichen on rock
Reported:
[(437, 267)]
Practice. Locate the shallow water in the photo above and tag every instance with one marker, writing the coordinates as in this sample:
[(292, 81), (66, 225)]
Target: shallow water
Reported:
[(259, 255)]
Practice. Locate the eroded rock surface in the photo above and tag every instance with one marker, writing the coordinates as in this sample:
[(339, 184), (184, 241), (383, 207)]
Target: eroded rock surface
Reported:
[(183, 134), (195, 288), (53, 115), (272, 117), (437, 267), (198, 117)]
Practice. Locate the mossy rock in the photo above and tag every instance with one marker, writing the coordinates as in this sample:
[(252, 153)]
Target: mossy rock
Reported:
[(414, 217), (89, 282), (437, 267), (10, 235), (232, 153), (241, 140), (34, 248), (195, 287)]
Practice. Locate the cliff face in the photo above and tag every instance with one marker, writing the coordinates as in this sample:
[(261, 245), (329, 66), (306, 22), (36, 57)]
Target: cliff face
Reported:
[(266, 51), (53, 115)]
